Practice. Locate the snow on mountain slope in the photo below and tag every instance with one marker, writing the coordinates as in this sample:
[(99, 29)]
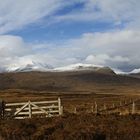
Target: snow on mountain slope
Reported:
[(32, 66), (119, 72), (135, 71), (82, 67), (78, 66)]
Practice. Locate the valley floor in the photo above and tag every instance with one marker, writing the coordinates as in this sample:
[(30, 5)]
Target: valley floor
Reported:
[(83, 125)]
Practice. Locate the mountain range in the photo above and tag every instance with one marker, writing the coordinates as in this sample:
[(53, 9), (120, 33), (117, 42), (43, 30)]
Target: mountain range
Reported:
[(73, 78), (39, 67), (35, 66)]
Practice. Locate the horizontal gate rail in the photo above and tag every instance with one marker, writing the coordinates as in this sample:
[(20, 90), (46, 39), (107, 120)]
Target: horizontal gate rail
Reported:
[(41, 102), (26, 108)]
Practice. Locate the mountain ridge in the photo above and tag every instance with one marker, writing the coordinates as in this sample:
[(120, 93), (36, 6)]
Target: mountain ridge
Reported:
[(67, 81), (46, 68), (37, 66)]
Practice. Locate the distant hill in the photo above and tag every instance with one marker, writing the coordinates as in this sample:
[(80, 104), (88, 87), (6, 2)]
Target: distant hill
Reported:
[(85, 67), (32, 66), (86, 80), (136, 75)]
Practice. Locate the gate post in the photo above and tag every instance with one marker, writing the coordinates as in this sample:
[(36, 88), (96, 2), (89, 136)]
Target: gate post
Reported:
[(30, 109), (2, 109), (59, 106), (133, 108), (96, 108)]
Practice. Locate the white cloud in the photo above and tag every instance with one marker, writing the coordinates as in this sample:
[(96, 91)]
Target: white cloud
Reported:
[(14, 52), (104, 59), (11, 48), (12, 45), (117, 49), (16, 14), (115, 11)]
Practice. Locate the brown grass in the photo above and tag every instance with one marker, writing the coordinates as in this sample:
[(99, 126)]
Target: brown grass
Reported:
[(73, 127), (79, 90)]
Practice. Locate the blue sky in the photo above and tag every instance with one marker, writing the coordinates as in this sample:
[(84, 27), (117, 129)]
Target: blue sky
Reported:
[(59, 31), (64, 30), (77, 31)]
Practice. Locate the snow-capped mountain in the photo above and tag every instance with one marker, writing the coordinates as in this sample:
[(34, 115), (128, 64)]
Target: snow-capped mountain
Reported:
[(78, 66), (32, 66), (135, 71), (83, 67)]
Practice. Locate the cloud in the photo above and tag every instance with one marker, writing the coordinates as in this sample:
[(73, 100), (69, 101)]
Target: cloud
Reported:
[(111, 48), (104, 59), (15, 52), (15, 14), (115, 11), (12, 45), (11, 48), (117, 49)]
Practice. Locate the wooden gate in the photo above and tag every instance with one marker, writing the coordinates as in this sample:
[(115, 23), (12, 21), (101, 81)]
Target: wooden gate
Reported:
[(34, 109)]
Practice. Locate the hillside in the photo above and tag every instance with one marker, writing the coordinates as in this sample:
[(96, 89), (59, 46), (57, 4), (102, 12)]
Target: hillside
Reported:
[(69, 81)]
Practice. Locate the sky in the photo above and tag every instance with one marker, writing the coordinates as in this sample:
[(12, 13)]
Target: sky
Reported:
[(64, 32)]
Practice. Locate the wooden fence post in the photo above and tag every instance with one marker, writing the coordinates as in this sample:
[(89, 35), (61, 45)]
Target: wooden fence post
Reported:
[(75, 110), (125, 102), (113, 106), (105, 107), (59, 106), (92, 109), (30, 109), (120, 103), (62, 110), (96, 108), (133, 108)]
